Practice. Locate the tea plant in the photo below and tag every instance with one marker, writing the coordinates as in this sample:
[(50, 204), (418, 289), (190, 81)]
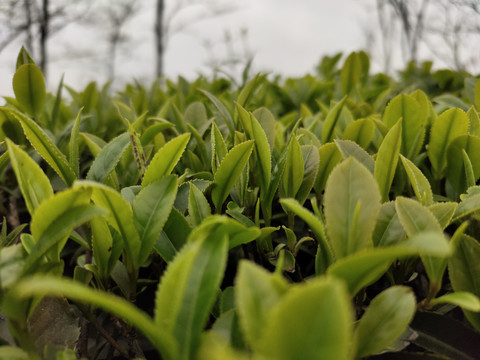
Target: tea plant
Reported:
[(325, 217)]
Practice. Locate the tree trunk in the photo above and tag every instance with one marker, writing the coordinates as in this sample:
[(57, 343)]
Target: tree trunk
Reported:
[(44, 36), (159, 37), (28, 25)]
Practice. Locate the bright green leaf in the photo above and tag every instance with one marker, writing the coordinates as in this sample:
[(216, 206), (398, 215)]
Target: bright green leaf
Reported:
[(229, 171), (387, 159), (313, 320), (29, 88), (352, 203), (33, 182), (165, 159), (386, 318)]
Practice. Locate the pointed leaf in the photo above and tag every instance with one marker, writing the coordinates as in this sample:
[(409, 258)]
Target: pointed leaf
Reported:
[(388, 228), (465, 300), (165, 159), (386, 318), (312, 321), (151, 209), (108, 158), (350, 149), (367, 266), (73, 156), (448, 126), (413, 125), (330, 156), (419, 182), (325, 256), (387, 159), (188, 289), (33, 182), (360, 131), (456, 173), (310, 160), (45, 147), (119, 215), (331, 121), (29, 88), (464, 270), (198, 207), (294, 170), (229, 171), (256, 292), (352, 203)]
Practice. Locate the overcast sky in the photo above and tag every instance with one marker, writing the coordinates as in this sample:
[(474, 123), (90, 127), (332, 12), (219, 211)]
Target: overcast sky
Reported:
[(285, 37)]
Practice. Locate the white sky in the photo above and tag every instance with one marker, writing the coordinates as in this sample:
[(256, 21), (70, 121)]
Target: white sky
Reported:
[(286, 37)]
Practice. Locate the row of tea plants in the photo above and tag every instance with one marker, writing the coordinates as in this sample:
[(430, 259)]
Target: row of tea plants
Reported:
[(333, 216)]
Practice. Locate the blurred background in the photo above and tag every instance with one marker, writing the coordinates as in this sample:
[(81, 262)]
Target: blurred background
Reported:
[(139, 40)]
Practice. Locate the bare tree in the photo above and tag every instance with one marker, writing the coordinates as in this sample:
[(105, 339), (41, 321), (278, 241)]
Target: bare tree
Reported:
[(118, 14), (444, 28), (170, 21), (36, 21)]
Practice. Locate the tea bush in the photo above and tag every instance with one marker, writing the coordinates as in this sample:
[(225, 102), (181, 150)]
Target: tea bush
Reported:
[(332, 216)]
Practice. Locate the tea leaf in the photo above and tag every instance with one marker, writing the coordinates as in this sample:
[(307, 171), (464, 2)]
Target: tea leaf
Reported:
[(188, 289), (47, 285), (165, 159), (443, 212), (388, 228), (413, 126), (325, 256), (256, 292), (108, 158), (229, 171), (15, 353), (467, 206), (45, 147), (448, 126), (198, 207), (367, 266), (312, 321), (352, 203), (219, 148), (350, 149), (120, 216), (386, 318), (351, 73), (55, 219), (360, 131), (268, 123), (419, 182), (33, 182), (416, 218), (29, 88), (73, 144), (222, 110), (464, 270), (387, 159), (457, 170), (151, 209), (102, 246), (329, 158), (474, 121), (311, 160), (294, 170), (465, 300), (331, 120), (262, 152), (23, 58), (445, 336)]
